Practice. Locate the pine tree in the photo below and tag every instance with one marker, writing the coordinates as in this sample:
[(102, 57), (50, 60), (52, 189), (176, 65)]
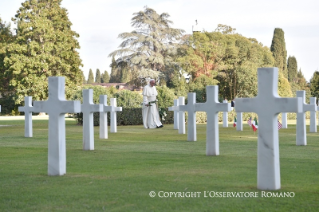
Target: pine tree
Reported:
[(106, 77), (91, 77), (84, 80), (292, 68), (44, 46), (151, 44), (278, 49), (98, 76)]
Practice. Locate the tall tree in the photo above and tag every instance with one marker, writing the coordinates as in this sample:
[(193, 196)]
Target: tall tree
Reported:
[(151, 44), (98, 76), (292, 68), (106, 77), (90, 77), (314, 84), (45, 46), (278, 49), (6, 37)]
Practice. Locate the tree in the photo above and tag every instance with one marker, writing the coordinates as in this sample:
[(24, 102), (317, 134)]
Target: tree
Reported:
[(292, 68), (44, 46), (6, 38), (229, 60), (314, 84), (105, 77), (90, 77), (84, 80), (98, 76), (151, 44), (278, 49)]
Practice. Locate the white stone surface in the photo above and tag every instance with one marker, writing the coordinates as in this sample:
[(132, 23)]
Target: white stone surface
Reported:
[(225, 116), (87, 108), (268, 104), (284, 120), (115, 109), (56, 106), (313, 114), (212, 107), (175, 108), (181, 116), (239, 126), (103, 117), (191, 121), (27, 109), (0, 108), (301, 134)]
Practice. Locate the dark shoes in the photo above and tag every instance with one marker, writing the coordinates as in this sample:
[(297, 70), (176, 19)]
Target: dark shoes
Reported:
[(160, 126)]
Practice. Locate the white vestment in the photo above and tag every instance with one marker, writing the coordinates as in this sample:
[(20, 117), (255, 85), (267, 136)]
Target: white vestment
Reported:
[(150, 113)]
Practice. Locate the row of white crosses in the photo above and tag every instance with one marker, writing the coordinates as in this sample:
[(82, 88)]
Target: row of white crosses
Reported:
[(56, 107), (267, 104), (211, 107)]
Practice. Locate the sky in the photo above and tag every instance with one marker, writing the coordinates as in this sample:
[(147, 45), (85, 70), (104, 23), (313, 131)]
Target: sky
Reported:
[(99, 22)]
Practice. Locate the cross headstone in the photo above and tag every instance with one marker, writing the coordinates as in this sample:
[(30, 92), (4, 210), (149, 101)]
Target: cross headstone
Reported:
[(56, 106), (87, 108), (239, 126), (103, 117), (284, 120), (27, 109), (175, 108), (0, 108), (313, 119), (191, 122), (212, 107), (268, 104), (114, 115), (181, 116), (225, 116), (301, 134)]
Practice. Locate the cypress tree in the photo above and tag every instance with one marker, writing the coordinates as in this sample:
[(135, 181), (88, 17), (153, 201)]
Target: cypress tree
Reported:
[(98, 76), (114, 72), (314, 84), (106, 77), (91, 77), (278, 49), (292, 68)]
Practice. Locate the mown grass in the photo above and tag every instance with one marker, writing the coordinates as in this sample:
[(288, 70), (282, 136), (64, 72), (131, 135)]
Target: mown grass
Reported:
[(122, 170)]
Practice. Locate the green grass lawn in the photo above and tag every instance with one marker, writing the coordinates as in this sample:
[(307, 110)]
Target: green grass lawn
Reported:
[(122, 170)]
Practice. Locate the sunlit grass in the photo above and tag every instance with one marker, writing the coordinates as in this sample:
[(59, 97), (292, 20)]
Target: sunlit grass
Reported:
[(122, 170)]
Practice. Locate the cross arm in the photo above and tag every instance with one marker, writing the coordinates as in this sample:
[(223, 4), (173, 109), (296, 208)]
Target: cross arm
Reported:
[(245, 105), (173, 108), (293, 105)]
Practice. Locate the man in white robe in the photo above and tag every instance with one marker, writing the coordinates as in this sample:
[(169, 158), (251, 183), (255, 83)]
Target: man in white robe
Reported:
[(149, 109)]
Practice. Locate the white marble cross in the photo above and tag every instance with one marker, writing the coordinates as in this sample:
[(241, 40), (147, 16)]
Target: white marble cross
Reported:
[(225, 116), (239, 126), (301, 134), (0, 108), (56, 106), (212, 107), (114, 115), (268, 104), (175, 108), (87, 108), (27, 109), (103, 117), (191, 122), (181, 116), (313, 119), (284, 120)]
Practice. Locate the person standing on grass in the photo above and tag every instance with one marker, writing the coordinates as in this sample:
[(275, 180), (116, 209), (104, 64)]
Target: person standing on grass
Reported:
[(149, 107)]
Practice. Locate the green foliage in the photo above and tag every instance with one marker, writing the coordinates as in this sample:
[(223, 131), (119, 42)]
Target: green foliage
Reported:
[(105, 77), (90, 77), (151, 44), (128, 99), (292, 68), (98, 76), (165, 97), (198, 86), (229, 60), (314, 84), (284, 88), (44, 46), (278, 49), (84, 80)]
